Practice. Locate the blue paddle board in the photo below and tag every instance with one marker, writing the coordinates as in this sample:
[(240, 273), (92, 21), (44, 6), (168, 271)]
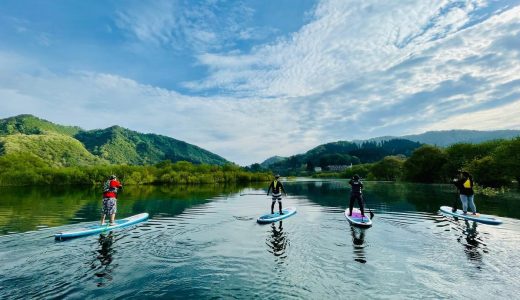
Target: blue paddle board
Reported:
[(95, 229), (269, 218), (357, 219), (485, 219)]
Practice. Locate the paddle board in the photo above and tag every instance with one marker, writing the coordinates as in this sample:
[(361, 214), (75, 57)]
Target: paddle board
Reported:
[(94, 229), (357, 219), (485, 219), (269, 218)]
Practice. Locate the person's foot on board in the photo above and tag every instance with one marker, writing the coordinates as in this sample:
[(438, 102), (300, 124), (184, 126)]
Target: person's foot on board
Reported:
[(281, 213), (112, 224), (103, 224), (465, 213)]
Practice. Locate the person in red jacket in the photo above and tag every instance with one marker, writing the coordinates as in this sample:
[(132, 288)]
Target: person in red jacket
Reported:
[(111, 187)]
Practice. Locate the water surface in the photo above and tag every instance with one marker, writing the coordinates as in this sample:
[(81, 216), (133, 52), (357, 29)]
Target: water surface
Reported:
[(204, 242)]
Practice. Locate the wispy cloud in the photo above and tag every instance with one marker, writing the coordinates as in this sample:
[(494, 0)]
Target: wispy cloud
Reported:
[(188, 25), (354, 70)]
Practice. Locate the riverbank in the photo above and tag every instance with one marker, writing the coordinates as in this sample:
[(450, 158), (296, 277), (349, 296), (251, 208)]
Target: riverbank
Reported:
[(32, 172)]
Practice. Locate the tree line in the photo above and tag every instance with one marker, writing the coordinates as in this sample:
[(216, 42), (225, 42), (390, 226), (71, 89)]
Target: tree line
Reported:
[(492, 164), (27, 169)]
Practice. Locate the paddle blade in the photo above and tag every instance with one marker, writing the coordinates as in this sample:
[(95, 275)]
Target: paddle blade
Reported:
[(371, 215)]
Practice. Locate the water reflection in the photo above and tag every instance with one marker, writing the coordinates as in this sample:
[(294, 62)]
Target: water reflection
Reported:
[(102, 265), (358, 241), (277, 241), (473, 245)]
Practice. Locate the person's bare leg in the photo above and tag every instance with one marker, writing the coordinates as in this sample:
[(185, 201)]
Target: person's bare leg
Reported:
[(112, 218), (103, 219)]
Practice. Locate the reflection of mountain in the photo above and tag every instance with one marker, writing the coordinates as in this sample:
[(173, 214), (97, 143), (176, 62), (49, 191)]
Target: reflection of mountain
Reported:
[(24, 209)]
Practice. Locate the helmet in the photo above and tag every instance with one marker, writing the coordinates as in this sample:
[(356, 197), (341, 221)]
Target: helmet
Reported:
[(112, 176), (277, 176), (356, 177)]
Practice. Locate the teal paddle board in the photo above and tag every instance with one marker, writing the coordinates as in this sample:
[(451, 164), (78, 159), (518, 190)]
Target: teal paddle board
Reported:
[(95, 229), (269, 218), (484, 219)]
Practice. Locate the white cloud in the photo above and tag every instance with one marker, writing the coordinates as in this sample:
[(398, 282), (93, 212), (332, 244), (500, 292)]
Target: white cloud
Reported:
[(346, 39), (356, 70), (503, 117)]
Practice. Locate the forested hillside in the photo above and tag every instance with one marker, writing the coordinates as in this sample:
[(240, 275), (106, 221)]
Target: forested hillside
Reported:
[(343, 153), (60, 145)]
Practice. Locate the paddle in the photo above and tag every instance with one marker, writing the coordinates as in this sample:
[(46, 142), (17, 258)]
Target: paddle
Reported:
[(371, 213), (254, 194), (455, 201)]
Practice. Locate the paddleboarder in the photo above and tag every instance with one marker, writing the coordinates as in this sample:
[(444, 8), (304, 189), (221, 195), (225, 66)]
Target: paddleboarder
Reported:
[(356, 194), (277, 188), (111, 187), (464, 184)]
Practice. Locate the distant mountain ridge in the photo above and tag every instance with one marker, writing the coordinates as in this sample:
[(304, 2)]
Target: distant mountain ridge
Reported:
[(370, 150), (70, 145), (446, 138)]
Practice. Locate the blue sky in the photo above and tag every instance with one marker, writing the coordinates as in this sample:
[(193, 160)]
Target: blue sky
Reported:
[(252, 79)]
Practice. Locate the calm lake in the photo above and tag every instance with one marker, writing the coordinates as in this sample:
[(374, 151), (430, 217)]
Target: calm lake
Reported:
[(203, 242)]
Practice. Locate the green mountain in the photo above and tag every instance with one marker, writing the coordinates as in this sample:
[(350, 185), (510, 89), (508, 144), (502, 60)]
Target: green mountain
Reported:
[(122, 146), (70, 145), (343, 153), (271, 160), (28, 124), (55, 149)]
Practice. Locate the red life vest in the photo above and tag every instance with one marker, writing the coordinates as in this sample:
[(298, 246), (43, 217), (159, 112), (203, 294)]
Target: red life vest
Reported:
[(111, 187)]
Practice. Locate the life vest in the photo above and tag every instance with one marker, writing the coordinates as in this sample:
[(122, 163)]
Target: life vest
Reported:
[(467, 184), (108, 188)]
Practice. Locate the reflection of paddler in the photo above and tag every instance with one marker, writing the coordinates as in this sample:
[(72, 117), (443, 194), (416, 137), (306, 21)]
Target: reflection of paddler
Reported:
[(472, 245), (358, 240), (277, 242), (105, 252)]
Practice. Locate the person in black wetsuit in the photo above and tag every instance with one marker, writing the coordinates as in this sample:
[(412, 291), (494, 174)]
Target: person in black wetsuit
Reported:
[(277, 188), (356, 194)]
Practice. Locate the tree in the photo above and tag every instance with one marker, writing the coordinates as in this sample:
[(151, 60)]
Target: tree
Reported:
[(487, 172), (507, 157), (426, 164), (389, 168)]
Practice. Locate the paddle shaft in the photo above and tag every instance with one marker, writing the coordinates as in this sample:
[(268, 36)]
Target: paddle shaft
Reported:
[(255, 194)]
